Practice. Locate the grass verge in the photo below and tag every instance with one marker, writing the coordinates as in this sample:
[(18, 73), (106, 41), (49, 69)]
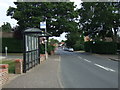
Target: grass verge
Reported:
[(11, 63), (15, 54)]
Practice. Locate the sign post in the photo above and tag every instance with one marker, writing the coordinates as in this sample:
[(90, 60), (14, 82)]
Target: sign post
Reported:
[(6, 48), (43, 26)]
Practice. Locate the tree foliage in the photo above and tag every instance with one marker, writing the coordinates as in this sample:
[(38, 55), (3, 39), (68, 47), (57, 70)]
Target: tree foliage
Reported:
[(100, 19), (60, 16), (53, 41), (6, 27)]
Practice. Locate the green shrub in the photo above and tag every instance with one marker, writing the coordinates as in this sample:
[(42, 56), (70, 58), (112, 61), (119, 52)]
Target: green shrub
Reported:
[(78, 47), (118, 46), (42, 49), (87, 46), (14, 45), (100, 47), (50, 48)]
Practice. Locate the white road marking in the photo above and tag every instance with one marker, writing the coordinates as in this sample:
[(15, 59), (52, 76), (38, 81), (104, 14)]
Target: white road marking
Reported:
[(84, 59), (79, 57), (105, 68), (87, 60)]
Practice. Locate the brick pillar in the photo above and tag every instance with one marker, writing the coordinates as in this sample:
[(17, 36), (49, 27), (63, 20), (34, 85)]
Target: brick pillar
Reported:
[(42, 57), (18, 66), (4, 77)]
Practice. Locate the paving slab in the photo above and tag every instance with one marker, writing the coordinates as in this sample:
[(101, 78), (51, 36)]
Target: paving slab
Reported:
[(44, 75)]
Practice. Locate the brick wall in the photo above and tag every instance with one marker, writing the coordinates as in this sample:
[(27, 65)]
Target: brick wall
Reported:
[(6, 34), (4, 77)]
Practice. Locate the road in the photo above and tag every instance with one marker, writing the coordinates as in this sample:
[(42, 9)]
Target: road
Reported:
[(84, 70)]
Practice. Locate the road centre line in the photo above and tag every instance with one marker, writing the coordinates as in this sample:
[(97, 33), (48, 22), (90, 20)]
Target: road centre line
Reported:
[(98, 65), (79, 57), (105, 68), (84, 59), (87, 60)]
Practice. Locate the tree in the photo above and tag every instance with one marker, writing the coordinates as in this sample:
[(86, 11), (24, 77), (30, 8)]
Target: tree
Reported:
[(6, 27), (72, 37), (100, 19), (17, 33), (60, 16), (53, 41)]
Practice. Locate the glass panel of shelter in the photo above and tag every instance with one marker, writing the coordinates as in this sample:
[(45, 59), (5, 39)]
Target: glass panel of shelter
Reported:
[(31, 48), (33, 51)]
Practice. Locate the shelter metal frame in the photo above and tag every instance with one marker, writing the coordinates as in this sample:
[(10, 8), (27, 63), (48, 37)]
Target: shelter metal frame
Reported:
[(31, 50)]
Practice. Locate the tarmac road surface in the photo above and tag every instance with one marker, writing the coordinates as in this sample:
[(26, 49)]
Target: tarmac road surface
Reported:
[(83, 70)]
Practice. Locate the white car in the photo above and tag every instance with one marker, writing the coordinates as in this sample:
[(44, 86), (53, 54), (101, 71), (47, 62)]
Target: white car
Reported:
[(71, 49)]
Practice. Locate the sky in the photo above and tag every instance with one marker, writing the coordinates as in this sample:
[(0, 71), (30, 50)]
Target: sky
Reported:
[(4, 5)]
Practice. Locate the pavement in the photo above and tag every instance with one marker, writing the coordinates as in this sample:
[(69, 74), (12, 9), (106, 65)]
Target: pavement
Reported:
[(44, 75)]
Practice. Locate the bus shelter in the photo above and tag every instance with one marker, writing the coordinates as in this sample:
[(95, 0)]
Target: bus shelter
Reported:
[(31, 51)]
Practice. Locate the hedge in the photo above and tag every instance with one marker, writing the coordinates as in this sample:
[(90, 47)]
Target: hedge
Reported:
[(78, 47), (14, 45), (118, 46), (42, 49), (49, 48), (101, 47)]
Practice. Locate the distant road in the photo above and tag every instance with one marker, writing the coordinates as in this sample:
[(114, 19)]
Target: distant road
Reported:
[(82, 70)]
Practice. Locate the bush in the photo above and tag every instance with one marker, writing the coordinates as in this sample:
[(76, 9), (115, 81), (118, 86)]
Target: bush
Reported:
[(42, 49), (50, 48), (100, 47), (14, 45), (78, 47), (118, 46)]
